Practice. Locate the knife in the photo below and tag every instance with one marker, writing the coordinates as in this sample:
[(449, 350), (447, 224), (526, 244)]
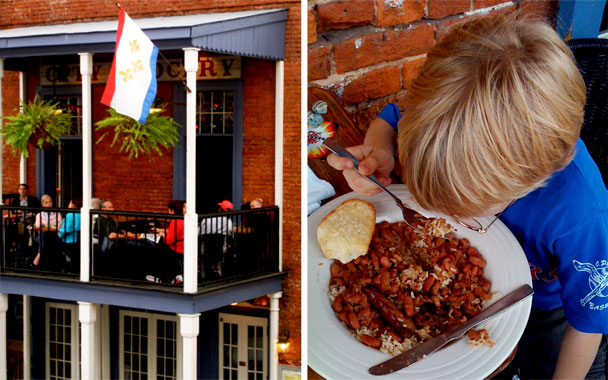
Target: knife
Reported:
[(417, 353)]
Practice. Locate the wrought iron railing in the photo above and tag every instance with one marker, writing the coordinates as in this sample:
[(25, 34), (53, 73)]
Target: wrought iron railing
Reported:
[(139, 247)]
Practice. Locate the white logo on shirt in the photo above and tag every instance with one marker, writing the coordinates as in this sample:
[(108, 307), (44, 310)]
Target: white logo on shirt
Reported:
[(598, 278)]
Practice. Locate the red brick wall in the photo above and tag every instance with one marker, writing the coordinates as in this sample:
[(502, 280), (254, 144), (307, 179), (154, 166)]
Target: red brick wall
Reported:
[(258, 129), (10, 172), (368, 51), (144, 185)]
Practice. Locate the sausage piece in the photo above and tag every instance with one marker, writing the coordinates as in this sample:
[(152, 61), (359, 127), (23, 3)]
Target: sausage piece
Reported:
[(404, 326)]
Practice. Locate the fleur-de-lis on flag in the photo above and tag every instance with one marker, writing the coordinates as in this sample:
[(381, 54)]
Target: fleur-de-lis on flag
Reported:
[(137, 65), (126, 75), (134, 46)]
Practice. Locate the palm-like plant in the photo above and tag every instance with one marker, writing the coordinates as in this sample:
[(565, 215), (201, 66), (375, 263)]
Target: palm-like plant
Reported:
[(41, 124), (135, 138)]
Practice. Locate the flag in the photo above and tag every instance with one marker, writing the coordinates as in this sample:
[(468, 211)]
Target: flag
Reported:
[(131, 86)]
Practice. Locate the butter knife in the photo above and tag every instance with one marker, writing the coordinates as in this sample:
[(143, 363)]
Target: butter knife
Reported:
[(417, 353)]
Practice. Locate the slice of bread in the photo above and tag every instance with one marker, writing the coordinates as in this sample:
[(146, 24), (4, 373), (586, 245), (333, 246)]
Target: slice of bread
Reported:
[(345, 233)]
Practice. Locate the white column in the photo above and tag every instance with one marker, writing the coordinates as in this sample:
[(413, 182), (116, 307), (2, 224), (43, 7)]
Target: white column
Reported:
[(3, 353), (87, 317), (86, 69), (23, 161), (278, 149), (1, 139), (27, 338), (274, 334), (189, 326), (191, 219)]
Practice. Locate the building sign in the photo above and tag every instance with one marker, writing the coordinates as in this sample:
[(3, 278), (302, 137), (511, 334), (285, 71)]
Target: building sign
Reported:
[(209, 68)]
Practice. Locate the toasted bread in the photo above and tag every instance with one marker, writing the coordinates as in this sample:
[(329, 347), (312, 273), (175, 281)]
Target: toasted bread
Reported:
[(345, 233)]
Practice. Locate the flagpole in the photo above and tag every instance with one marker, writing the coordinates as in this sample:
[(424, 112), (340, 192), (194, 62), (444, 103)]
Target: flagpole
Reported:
[(165, 59)]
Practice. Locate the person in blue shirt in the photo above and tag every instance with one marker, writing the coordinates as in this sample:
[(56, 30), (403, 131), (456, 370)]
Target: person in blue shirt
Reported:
[(69, 235), (491, 126)]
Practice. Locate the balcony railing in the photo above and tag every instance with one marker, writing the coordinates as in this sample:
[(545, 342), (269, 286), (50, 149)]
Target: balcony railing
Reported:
[(138, 248)]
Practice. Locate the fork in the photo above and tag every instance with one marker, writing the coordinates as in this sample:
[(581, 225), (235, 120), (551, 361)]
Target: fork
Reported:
[(409, 216)]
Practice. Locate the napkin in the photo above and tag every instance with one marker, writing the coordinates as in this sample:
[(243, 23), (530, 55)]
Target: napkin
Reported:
[(318, 189)]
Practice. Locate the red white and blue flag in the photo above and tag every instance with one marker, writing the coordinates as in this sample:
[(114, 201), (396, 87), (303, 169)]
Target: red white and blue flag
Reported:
[(131, 86)]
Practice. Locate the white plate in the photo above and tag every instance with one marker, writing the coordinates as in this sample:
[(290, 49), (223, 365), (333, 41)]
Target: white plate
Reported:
[(335, 354)]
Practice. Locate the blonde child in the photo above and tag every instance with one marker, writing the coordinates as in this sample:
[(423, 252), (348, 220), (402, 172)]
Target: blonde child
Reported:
[(491, 125)]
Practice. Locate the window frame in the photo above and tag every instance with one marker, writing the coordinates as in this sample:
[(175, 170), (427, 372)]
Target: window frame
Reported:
[(74, 334), (242, 321), (152, 340)]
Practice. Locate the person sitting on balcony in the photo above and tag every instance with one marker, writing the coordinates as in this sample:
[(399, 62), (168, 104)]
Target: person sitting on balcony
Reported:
[(47, 224), (107, 228), (214, 234), (115, 240), (218, 224), (69, 235), (254, 203), (22, 198), (21, 221), (174, 243)]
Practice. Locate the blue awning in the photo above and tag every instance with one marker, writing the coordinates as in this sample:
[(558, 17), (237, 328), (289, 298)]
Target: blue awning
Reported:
[(258, 33)]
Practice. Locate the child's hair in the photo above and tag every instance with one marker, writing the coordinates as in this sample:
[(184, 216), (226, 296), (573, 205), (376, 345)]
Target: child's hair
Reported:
[(45, 197), (496, 110)]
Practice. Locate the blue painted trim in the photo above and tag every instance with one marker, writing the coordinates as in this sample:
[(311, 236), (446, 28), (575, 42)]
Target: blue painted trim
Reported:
[(209, 298), (580, 18)]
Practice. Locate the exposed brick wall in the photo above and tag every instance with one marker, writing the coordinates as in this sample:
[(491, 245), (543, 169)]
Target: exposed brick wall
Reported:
[(144, 185), (10, 172), (370, 59)]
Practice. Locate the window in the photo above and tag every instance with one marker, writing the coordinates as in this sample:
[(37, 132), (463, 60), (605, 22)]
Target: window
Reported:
[(71, 104), (215, 112), (149, 346), (243, 346), (62, 342)]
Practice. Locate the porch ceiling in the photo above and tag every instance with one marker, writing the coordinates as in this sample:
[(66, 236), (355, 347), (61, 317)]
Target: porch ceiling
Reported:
[(259, 33), (209, 297)]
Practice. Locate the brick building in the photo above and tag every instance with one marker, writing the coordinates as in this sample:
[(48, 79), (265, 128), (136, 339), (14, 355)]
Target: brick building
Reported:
[(367, 52), (246, 114)]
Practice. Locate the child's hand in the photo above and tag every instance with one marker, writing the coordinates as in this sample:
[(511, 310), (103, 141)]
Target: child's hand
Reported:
[(373, 161)]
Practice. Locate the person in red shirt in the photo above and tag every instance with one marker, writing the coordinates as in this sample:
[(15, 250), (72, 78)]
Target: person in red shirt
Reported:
[(174, 243)]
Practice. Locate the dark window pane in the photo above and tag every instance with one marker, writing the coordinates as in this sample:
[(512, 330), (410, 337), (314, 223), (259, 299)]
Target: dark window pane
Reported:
[(250, 336), (235, 334), (259, 362), (226, 356), (235, 357)]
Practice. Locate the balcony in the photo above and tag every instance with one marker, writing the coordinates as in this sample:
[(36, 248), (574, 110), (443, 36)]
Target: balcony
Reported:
[(137, 251)]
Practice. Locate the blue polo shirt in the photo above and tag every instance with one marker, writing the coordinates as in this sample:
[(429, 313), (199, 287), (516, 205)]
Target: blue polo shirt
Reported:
[(563, 230)]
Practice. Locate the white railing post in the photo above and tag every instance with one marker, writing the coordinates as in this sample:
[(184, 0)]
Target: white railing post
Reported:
[(23, 160), (278, 149), (274, 334), (191, 218), (87, 316), (86, 70), (3, 348), (189, 328), (27, 338)]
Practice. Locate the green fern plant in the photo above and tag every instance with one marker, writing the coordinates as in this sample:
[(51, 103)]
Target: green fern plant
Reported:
[(41, 124), (135, 138)]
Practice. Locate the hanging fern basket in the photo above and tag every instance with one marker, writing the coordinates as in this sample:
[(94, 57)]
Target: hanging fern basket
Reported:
[(135, 138), (40, 125)]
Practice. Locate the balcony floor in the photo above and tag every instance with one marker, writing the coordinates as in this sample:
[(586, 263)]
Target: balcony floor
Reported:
[(154, 297)]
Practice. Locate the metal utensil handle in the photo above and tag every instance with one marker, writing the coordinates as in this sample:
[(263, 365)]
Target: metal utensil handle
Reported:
[(342, 152)]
